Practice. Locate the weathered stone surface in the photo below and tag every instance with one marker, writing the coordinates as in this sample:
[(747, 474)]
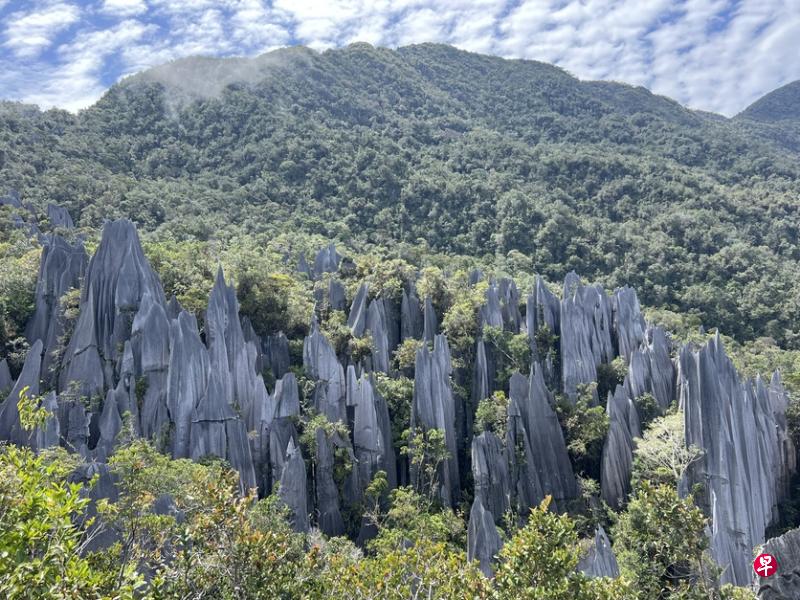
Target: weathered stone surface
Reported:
[(599, 560), (357, 319), (149, 350), (173, 308), (742, 466), (292, 489), (617, 457), (276, 354), (433, 408), (10, 427), (509, 301), (651, 370), (586, 321), (430, 322), (116, 279), (490, 473), (483, 541), (61, 267), (491, 315), (49, 435), (110, 426), (337, 299), (330, 516), (59, 217), (372, 434), (534, 431), (320, 363), (302, 267), (76, 431), (286, 398), (326, 261), (378, 329), (6, 381), (410, 316), (629, 324), (785, 583)]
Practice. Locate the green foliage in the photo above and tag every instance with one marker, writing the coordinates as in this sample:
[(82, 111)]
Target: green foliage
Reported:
[(661, 455), (398, 393), (492, 415), (585, 428), (406, 354), (513, 352), (427, 451), (20, 259), (460, 322), (31, 413), (539, 562), (661, 545), (647, 407), (609, 376), (44, 530)]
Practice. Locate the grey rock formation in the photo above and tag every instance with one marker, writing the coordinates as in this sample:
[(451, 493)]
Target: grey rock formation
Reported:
[(49, 435), (535, 434), (490, 473), (110, 426), (372, 433), (173, 308), (357, 319), (510, 300), (149, 349), (292, 489), (785, 583), (11, 429), (586, 320), (599, 560), (329, 514), (491, 315), (59, 217), (433, 408), (302, 267), (276, 354), (629, 324), (617, 457), (378, 329), (337, 299), (410, 316), (483, 541), (320, 363), (6, 381), (326, 261), (60, 269), (651, 370), (742, 468), (117, 278), (430, 323)]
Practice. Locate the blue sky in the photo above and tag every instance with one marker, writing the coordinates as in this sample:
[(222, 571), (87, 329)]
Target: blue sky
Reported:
[(716, 55)]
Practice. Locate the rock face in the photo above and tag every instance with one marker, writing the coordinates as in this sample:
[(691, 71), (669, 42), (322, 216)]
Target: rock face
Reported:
[(59, 217), (326, 261), (410, 316), (629, 323), (433, 408), (617, 457), (490, 473), (483, 541), (117, 278), (740, 427), (6, 381), (357, 319), (377, 325), (320, 362), (650, 370), (599, 560), (11, 429), (292, 489), (586, 316), (372, 431), (61, 268), (785, 583), (535, 435)]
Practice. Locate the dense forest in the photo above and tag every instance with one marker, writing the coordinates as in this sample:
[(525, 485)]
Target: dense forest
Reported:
[(409, 323)]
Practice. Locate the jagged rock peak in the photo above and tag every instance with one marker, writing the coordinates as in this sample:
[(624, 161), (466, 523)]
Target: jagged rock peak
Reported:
[(117, 278), (617, 456), (292, 489), (321, 363), (326, 261), (6, 381), (490, 473), (59, 217), (433, 408), (483, 541), (629, 323), (742, 438), (599, 560), (357, 319), (11, 429)]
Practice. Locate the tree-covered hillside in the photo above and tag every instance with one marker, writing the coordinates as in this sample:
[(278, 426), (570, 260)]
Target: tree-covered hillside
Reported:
[(445, 151)]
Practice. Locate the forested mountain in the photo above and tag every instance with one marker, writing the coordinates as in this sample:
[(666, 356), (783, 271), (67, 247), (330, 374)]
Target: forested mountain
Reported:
[(377, 323), (467, 154)]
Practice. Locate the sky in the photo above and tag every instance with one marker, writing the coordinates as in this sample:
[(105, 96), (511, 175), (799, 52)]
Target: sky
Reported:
[(715, 55)]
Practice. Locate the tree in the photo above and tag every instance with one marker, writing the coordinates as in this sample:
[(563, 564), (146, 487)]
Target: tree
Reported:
[(661, 545), (661, 454), (539, 562)]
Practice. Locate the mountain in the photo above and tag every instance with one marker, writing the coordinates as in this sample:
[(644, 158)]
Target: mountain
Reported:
[(458, 152), (782, 104)]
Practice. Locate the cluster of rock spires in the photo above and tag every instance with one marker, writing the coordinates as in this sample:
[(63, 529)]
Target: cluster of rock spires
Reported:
[(135, 363)]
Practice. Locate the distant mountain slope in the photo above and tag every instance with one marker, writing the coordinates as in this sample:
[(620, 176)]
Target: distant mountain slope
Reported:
[(446, 151), (782, 104)]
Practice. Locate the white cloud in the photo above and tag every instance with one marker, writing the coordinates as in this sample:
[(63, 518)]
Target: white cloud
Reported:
[(28, 34), (124, 8), (717, 55)]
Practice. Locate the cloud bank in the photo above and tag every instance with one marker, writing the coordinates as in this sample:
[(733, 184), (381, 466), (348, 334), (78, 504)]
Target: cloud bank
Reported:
[(716, 55)]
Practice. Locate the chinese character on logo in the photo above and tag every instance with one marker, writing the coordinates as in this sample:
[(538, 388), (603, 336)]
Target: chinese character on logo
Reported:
[(765, 565)]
